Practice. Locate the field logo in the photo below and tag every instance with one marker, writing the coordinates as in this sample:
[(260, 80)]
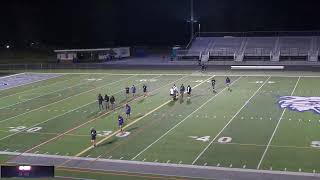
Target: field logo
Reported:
[(300, 103)]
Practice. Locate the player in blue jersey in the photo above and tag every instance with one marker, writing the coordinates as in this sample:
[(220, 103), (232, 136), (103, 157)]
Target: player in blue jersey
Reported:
[(133, 90), (228, 82), (128, 111), (120, 123)]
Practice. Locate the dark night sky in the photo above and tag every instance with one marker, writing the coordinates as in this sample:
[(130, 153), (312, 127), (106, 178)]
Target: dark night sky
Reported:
[(103, 23)]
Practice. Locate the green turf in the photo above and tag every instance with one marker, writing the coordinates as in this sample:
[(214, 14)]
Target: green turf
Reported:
[(249, 114)]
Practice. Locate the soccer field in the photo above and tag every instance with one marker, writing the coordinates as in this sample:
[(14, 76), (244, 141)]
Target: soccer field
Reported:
[(267, 122)]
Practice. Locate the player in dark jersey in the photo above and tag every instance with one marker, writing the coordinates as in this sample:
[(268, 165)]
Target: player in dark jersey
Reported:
[(144, 88), (213, 84), (128, 111), (112, 102), (120, 123), (182, 89), (228, 81), (100, 100), (93, 133), (133, 90), (189, 89), (106, 101), (127, 91)]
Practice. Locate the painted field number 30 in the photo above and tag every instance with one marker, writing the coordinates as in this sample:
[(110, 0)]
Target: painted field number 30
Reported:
[(23, 128), (224, 140), (315, 144)]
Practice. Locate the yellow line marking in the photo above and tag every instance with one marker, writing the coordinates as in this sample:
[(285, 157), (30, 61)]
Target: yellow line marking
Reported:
[(131, 123)]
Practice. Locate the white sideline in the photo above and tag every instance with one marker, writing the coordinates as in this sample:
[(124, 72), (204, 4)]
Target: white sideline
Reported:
[(160, 164), (65, 99), (257, 67), (181, 121), (201, 153), (191, 74), (75, 178), (11, 75), (23, 84), (52, 92), (37, 88), (63, 113), (274, 132)]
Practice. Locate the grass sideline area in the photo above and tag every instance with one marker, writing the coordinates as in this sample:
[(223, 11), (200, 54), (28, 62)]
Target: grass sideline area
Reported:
[(242, 128)]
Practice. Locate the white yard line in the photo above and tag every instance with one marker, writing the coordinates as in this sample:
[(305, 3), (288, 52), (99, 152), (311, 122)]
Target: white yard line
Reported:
[(275, 130), (32, 89), (133, 122), (66, 132), (65, 99), (52, 92), (181, 121), (59, 114), (202, 152)]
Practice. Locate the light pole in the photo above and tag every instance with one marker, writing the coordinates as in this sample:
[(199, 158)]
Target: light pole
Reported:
[(192, 20), (199, 29)]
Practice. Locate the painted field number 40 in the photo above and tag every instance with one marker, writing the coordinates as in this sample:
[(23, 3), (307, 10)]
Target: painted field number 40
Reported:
[(203, 138)]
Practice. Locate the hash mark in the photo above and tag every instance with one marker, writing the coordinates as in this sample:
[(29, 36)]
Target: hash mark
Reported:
[(180, 162), (244, 166), (218, 164), (156, 160), (36, 152), (285, 169), (314, 171), (168, 161), (299, 169), (110, 157), (205, 164), (230, 165), (121, 158), (144, 159), (271, 168)]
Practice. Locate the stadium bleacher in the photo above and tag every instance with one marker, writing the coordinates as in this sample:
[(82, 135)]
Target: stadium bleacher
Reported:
[(271, 48)]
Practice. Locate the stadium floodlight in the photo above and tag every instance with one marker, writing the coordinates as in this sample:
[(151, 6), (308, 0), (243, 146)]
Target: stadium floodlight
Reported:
[(7, 46)]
